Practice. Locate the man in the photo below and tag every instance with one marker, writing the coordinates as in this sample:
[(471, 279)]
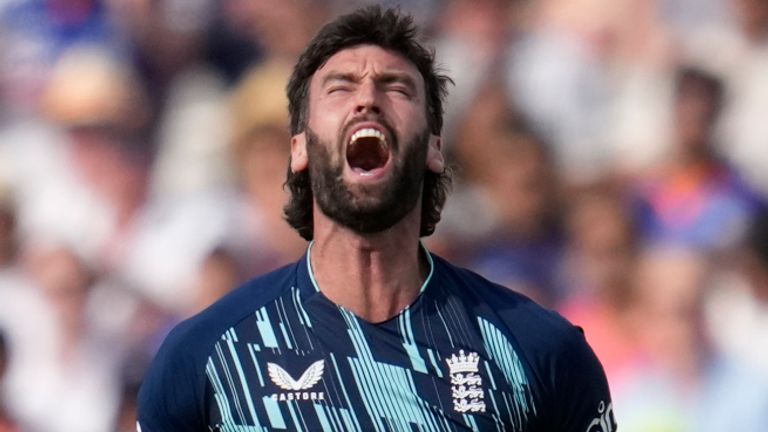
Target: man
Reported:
[(368, 331)]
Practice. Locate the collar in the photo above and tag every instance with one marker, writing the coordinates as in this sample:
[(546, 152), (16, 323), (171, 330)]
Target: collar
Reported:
[(306, 276)]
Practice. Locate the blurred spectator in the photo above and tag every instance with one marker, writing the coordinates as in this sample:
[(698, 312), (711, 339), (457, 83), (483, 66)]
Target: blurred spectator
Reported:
[(744, 59), (102, 204), (93, 181), (738, 309), (73, 371), (260, 147), (34, 34), (685, 385), (510, 165), (167, 44), (4, 356), (476, 33), (14, 306), (6, 422), (9, 241), (166, 38), (694, 197), (220, 272), (130, 376), (265, 24), (600, 258), (554, 69)]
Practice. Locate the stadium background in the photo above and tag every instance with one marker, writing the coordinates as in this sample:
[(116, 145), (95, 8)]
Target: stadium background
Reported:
[(611, 162)]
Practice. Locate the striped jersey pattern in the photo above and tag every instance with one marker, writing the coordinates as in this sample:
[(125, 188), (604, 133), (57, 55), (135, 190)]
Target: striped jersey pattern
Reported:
[(277, 355)]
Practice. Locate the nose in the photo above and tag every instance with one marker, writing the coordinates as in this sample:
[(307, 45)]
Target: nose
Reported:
[(367, 99)]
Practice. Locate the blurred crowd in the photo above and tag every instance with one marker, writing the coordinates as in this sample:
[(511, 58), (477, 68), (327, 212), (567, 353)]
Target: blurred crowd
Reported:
[(610, 161)]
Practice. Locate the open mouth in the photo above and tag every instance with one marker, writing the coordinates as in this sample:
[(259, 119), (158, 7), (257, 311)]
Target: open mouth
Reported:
[(367, 150)]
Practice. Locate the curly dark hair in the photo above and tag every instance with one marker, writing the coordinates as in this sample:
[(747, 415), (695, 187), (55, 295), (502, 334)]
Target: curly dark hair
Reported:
[(390, 30)]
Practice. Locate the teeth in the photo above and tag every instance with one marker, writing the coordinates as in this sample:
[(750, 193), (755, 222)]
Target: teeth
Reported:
[(368, 133)]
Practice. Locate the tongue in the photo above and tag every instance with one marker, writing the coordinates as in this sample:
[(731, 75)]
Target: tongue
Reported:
[(366, 154)]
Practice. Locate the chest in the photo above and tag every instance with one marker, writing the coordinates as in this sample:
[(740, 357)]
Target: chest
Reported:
[(315, 367)]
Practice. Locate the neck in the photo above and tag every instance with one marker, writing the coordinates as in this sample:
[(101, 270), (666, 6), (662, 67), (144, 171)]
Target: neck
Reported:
[(375, 276)]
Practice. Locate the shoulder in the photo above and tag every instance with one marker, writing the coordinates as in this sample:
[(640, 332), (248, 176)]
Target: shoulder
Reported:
[(568, 377), (517, 312), (173, 388), (203, 329)]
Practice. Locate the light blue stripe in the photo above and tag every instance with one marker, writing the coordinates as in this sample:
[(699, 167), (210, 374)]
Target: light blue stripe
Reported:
[(350, 423), (230, 381), (265, 328), (445, 326), (409, 343), (273, 412), (360, 369), (510, 411), (431, 267), (219, 394), (285, 336), (388, 391), (334, 416), (369, 371), (300, 308), (284, 319), (490, 375), (495, 414), (390, 385), (295, 419), (505, 356), (309, 266), (433, 360), (344, 391), (243, 382), (365, 390), (470, 421), (251, 349), (321, 417)]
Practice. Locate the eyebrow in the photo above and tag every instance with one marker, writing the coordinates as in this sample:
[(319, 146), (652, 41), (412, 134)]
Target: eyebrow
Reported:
[(339, 76), (384, 78)]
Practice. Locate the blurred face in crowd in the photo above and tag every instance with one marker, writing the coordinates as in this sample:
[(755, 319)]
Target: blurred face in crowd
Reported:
[(668, 288), (695, 114), (65, 281), (262, 164), (601, 235), (522, 182), (7, 234), (366, 142), (753, 17)]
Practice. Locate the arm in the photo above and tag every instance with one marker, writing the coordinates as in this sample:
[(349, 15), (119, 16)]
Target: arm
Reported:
[(170, 395), (581, 399)]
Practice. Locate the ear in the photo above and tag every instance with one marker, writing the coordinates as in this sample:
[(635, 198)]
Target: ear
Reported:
[(299, 159), (435, 160)]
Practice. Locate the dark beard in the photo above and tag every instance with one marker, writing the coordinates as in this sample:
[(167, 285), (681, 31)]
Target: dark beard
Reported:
[(372, 209)]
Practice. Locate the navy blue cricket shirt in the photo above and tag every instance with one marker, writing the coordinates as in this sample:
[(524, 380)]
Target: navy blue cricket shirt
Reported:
[(467, 354)]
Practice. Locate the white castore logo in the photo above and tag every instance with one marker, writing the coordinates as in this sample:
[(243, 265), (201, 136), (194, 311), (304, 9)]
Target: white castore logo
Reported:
[(466, 382), (309, 378)]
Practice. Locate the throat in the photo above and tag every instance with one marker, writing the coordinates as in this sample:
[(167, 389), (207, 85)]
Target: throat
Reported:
[(375, 285)]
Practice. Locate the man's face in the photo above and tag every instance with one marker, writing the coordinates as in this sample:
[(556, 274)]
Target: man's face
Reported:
[(367, 139)]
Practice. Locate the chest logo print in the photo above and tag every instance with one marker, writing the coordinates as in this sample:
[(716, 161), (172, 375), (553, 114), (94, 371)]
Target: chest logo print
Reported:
[(466, 382), (307, 380)]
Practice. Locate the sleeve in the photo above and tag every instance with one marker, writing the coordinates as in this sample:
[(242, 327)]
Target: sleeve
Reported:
[(170, 395), (581, 398)]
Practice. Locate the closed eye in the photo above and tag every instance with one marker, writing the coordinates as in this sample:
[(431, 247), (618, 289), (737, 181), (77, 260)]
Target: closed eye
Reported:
[(338, 89), (403, 90)]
